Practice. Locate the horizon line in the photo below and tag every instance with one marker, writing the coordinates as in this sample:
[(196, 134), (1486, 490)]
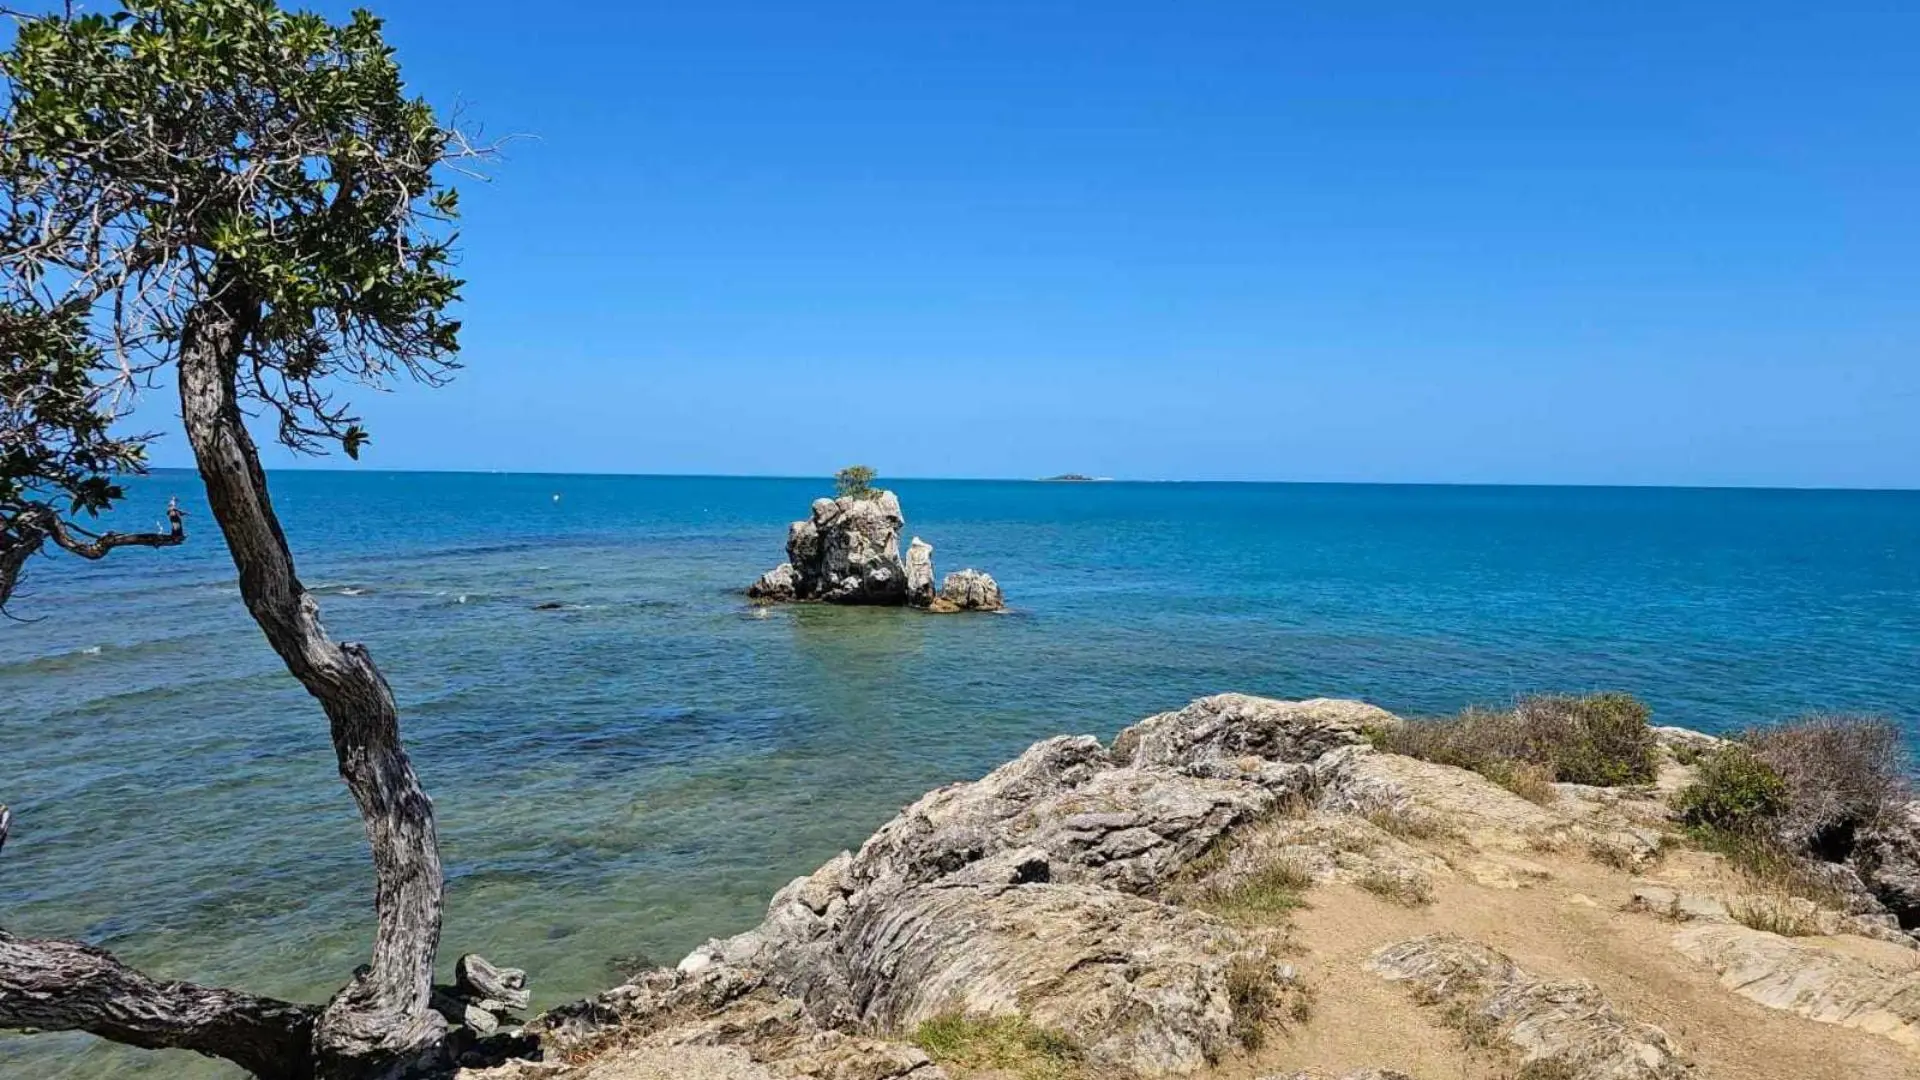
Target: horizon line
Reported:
[(351, 469)]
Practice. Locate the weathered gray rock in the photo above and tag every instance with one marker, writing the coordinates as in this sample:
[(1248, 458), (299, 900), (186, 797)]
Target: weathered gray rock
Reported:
[(858, 545), (847, 551), (1819, 984), (777, 585), (1887, 858), (1029, 891), (920, 591), (971, 590), (1232, 726), (502, 989), (1564, 1024)]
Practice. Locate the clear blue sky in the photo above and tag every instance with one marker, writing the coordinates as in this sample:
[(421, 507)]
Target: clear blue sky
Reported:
[(1526, 242)]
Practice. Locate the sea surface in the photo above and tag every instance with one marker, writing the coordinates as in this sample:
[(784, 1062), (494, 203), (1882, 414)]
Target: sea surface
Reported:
[(634, 771)]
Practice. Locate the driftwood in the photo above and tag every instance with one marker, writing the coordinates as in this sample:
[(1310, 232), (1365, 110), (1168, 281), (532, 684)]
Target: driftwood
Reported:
[(384, 1013)]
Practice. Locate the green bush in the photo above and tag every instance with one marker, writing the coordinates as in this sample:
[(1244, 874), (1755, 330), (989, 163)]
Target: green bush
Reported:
[(1600, 739), (855, 481), (1734, 791)]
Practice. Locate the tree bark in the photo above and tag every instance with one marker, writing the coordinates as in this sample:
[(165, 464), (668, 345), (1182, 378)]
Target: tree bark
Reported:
[(17, 545), (67, 986), (381, 1021)]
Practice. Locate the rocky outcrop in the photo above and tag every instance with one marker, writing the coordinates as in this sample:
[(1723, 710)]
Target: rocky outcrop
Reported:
[(778, 585), (969, 590), (1032, 891), (1819, 984), (1567, 1026), (1886, 856), (1086, 889), (920, 573), (848, 552)]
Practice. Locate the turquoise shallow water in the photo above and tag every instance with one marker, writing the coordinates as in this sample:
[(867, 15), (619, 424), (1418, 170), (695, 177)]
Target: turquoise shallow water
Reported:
[(640, 769)]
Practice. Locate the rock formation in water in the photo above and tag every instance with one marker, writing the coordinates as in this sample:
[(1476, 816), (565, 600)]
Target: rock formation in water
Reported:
[(848, 552), (970, 590), (1246, 887), (920, 591)]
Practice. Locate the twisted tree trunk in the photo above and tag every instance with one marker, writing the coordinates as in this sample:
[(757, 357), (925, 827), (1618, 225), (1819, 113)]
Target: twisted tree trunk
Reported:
[(67, 986), (381, 1021)]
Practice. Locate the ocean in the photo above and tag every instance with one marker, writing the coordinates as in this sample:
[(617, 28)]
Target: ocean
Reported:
[(638, 769)]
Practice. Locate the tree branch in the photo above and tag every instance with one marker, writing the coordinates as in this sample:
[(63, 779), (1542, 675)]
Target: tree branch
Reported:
[(97, 547), (385, 1012), (67, 986)]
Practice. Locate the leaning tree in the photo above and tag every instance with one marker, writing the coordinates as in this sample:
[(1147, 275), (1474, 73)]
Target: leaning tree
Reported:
[(246, 201)]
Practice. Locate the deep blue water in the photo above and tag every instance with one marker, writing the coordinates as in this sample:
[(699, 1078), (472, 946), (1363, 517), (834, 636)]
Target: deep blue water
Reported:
[(640, 770)]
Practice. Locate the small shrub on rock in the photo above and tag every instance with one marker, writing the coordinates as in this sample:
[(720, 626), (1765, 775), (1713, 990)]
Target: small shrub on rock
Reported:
[(1840, 774), (855, 481), (1599, 739), (1734, 790)]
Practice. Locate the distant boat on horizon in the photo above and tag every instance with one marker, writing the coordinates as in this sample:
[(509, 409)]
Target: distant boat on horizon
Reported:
[(1075, 478)]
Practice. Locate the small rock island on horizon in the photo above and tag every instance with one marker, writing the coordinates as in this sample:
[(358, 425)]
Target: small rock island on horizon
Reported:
[(847, 551)]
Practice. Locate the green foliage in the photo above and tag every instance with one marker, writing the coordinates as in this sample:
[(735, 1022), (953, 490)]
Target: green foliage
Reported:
[(1734, 791), (855, 481), (1010, 1045), (223, 161), (176, 153), (57, 445), (1599, 739)]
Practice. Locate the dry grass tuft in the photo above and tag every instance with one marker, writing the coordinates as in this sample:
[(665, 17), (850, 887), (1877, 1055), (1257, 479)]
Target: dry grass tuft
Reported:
[(1769, 867), (1399, 888), (1408, 824), (1268, 895), (1478, 1031), (1261, 999), (1010, 1045), (1775, 914)]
